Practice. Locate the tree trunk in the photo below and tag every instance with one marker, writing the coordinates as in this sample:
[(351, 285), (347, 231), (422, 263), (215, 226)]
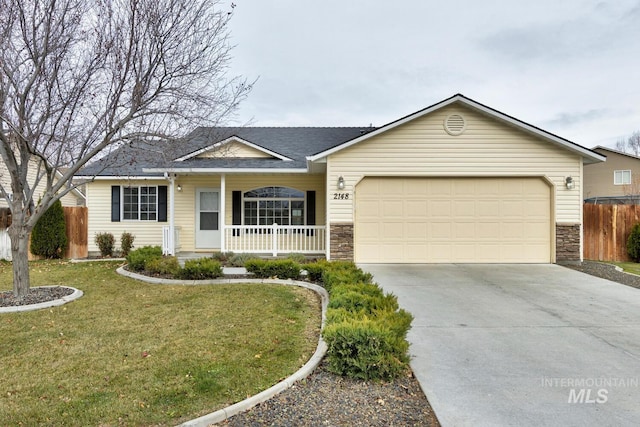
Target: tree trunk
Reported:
[(20, 254)]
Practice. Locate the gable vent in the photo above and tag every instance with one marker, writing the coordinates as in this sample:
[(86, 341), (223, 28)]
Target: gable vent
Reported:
[(454, 124)]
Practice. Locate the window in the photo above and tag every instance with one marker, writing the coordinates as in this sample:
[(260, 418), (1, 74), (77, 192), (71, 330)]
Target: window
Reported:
[(622, 177), (269, 205), (140, 203)]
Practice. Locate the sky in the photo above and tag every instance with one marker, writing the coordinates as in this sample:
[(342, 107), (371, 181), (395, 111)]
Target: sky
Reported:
[(570, 67)]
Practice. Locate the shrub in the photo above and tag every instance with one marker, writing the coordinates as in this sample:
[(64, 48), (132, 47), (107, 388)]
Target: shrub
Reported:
[(165, 266), (106, 243), (633, 243), (139, 258), (315, 270), (222, 257), (48, 237), (343, 272), (365, 349), (355, 301), (280, 268), (239, 260), (126, 243), (297, 257), (200, 269)]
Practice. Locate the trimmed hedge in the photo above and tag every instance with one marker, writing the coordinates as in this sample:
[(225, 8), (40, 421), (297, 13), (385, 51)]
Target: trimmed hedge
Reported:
[(280, 268), (201, 269), (164, 266), (139, 258)]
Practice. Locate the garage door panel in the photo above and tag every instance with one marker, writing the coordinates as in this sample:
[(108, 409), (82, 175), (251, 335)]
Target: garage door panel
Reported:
[(453, 220)]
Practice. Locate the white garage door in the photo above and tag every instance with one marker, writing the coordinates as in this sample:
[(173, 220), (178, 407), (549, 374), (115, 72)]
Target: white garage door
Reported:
[(442, 220)]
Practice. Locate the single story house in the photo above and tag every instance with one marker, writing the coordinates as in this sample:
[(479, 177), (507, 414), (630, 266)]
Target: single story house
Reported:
[(615, 181), (455, 182)]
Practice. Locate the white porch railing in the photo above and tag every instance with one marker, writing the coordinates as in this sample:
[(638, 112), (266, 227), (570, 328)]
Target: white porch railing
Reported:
[(275, 239), (168, 240), (5, 245)]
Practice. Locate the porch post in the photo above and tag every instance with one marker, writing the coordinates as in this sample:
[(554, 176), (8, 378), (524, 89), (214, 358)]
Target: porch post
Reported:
[(172, 226), (223, 191)]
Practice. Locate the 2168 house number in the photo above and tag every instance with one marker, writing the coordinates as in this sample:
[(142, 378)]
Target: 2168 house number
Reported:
[(340, 196)]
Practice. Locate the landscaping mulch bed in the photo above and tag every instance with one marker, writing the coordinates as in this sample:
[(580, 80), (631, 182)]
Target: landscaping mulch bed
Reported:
[(324, 399), (606, 271), (35, 296)]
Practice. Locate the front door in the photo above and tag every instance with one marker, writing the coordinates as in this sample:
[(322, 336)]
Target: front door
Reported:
[(207, 218)]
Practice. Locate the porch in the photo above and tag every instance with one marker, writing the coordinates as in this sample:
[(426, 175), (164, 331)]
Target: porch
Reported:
[(272, 239)]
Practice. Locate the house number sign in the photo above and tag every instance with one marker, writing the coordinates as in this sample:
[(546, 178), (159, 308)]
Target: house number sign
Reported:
[(341, 196)]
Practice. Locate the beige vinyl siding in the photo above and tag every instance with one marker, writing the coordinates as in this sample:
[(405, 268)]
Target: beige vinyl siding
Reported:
[(99, 216), (487, 148), (598, 177), (69, 199), (234, 150), (150, 232)]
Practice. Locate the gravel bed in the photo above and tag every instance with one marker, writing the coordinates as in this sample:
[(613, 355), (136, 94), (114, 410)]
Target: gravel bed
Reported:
[(606, 271), (325, 399), (35, 296)]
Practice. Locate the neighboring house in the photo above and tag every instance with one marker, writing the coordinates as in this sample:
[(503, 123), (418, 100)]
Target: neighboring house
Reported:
[(455, 182), (72, 198), (616, 180)]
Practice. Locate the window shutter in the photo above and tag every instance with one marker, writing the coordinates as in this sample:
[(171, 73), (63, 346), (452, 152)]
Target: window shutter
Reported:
[(311, 210), (236, 207), (162, 203), (115, 203)]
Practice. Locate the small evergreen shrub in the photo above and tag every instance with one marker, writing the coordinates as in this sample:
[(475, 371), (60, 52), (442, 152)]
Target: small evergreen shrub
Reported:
[(201, 269), (126, 243), (139, 258), (343, 272), (222, 257), (365, 349), (49, 237), (280, 268), (355, 301), (239, 260), (633, 243), (164, 266), (297, 257), (315, 270), (106, 243)]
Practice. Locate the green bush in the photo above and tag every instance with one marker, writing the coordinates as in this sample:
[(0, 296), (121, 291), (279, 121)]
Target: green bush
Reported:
[(222, 257), (239, 260), (315, 270), (355, 301), (280, 268), (297, 257), (126, 243), (48, 237), (106, 243), (201, 269), (633, 243), (165, 266), (139, 258), (343, 272), (365, 349)]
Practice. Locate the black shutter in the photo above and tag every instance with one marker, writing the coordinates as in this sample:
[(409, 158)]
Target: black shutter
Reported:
[(311, 211), (115, 203), (236, 207), (162, 203)]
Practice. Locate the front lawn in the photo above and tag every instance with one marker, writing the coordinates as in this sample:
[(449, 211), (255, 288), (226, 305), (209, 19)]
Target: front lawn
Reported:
[(629, 267), (131, 353)]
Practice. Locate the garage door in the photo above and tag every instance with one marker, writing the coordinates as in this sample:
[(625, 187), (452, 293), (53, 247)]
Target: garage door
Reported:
[(434, 220)]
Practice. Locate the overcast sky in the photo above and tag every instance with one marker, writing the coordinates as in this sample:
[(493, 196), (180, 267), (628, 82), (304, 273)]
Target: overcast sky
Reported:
[(571, 67)]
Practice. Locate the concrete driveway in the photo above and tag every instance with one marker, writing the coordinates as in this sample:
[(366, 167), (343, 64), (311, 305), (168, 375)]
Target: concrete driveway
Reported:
[(521, 345)]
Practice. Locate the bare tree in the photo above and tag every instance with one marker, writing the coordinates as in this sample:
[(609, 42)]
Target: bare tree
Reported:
[(630, 145), (79, 78)]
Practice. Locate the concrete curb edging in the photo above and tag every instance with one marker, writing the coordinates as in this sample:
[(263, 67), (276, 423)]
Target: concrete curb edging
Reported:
[(244, 405), (77, 293)]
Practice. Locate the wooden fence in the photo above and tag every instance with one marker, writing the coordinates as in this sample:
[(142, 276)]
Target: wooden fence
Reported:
[(76, 227), (606, 229)]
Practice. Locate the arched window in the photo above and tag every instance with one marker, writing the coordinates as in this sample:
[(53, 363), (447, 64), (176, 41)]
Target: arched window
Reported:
[(268, 205)]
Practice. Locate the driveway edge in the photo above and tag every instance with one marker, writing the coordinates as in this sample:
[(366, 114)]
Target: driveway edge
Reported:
[(244, 405)]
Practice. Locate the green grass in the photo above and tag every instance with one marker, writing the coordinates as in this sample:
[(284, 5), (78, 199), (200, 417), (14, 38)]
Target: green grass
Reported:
[(130, 353), (629, 267)]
